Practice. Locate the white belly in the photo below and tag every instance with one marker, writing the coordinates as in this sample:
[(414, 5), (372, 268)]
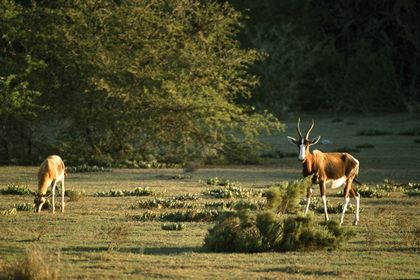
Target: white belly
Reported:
[(335, 183)]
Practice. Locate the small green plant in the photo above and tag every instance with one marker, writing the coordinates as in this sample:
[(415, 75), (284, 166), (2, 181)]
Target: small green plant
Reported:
[(75, 195), (190, 215), (136, 192), (230, 205), (248, 232), (115, 233), (181, 176), (41, 230), (8, 212), (216, 182), (285, 196), (15, 190), (187, 196), (86, 168), (369, 192), (318, 206), (165, 204), (176, 226), (24, 207), (231, 191), (151, 164)]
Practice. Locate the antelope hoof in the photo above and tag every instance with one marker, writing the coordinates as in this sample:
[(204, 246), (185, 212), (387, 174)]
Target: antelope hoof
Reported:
[(355, 223)]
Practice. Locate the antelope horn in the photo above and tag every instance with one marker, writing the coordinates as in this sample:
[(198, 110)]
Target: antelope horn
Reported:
[(309, 131), (298, 129)]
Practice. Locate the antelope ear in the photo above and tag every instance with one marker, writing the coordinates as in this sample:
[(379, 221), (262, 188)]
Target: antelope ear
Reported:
[(292, 140), (315, 140)]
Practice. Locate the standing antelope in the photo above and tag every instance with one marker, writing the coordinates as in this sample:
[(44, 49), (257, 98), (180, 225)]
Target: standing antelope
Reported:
[(332, 169), (51, 171)]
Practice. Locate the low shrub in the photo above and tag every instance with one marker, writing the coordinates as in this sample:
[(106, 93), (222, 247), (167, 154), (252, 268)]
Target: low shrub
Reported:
[(136, 192), (8, 212), (115, 233), (216, 182), (285, 196), (24, 207), (181, 176), (150, 164), (412, 189), (187, 196), (75, 195), (263, 231), (86, 168), (318, 206), (165, 204), (15, 190), (369, 192), (231, 191), (177, 226), (191, 215), (230, 205)]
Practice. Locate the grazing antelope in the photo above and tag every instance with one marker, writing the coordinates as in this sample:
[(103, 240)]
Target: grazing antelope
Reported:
[(329, 169), (51, 171)]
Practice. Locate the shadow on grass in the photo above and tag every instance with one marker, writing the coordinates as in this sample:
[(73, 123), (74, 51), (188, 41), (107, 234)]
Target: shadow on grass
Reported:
[(140, 250), (302, 270)]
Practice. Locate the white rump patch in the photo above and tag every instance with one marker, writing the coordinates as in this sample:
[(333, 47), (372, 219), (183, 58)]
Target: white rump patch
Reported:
[(336, 183)]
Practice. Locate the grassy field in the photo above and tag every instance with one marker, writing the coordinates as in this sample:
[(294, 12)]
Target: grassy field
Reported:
[(75, 244)]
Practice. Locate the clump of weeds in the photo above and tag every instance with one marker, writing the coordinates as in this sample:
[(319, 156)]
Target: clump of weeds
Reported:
[(115, 233)]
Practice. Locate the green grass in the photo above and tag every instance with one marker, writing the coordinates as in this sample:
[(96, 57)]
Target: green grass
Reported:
[(94, 239)]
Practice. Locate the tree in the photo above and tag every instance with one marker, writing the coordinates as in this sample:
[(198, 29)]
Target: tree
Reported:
[(142, 79), (348, 55)]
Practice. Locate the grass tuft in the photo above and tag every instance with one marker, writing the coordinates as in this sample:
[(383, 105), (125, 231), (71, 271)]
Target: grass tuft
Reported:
[(33, 266)]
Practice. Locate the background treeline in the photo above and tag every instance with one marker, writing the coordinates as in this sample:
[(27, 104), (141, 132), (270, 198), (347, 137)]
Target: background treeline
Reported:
[(108, 82), (346, 55)]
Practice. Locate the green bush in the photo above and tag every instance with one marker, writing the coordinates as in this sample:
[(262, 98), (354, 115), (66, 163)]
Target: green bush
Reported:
[(187, 196), (136, 192), (318, 206), (75, 195), (231, 191), (86, 168), (248, 232), (300, 233), (165, 204), (9, 212), (412, 189), (229, 205), (15, 189), (190, 215), (177, 226), (24, 207), (285, 196)]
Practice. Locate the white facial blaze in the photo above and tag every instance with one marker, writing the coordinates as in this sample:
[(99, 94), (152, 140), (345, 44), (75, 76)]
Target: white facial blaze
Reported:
[(302, 151)]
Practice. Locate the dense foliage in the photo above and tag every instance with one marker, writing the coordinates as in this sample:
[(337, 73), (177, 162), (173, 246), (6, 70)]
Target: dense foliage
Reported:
[(350, 55), (98, 81), (248, 231), (105, 82)]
